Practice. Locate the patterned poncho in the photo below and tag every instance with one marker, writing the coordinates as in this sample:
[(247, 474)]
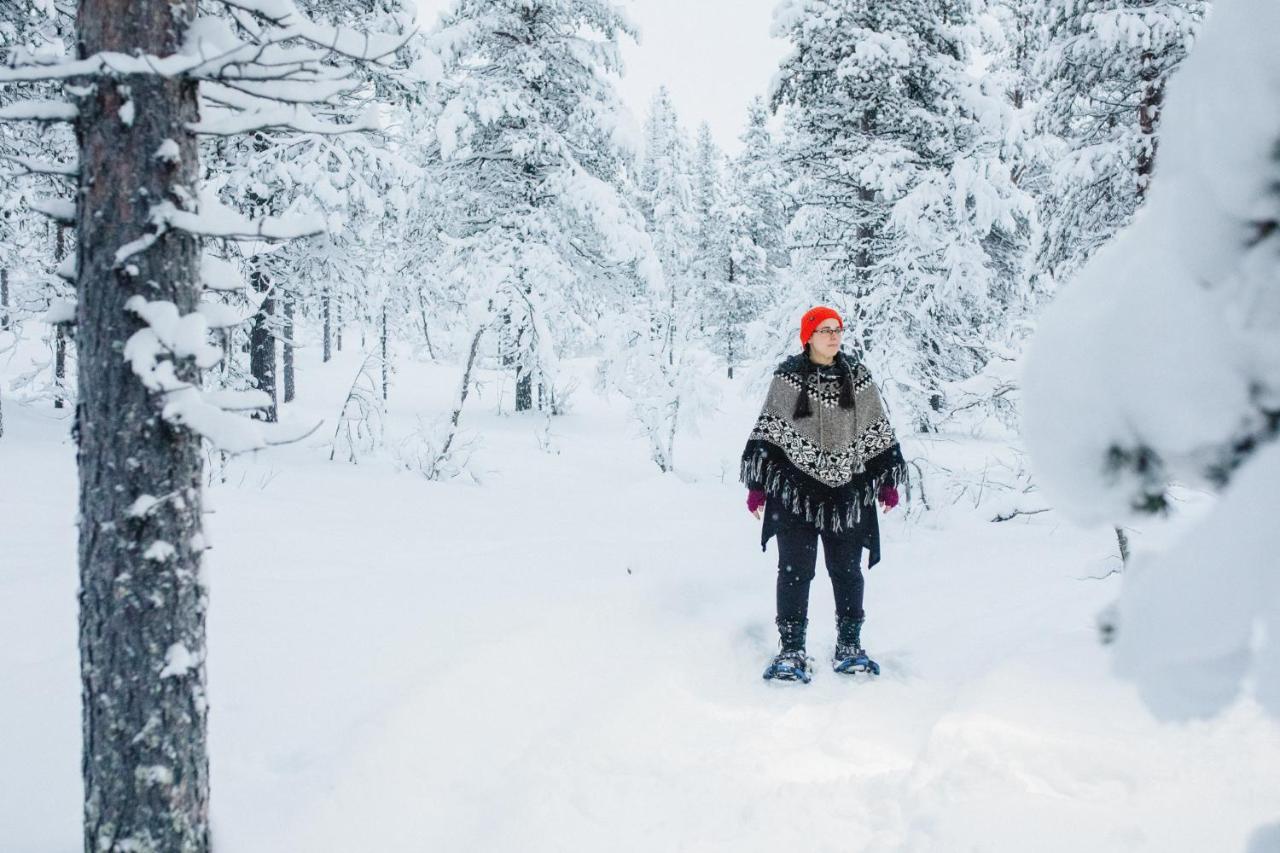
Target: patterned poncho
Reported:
[(828, 466)]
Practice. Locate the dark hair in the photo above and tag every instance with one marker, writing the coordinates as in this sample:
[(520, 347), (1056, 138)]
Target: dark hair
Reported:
[(803, 409)]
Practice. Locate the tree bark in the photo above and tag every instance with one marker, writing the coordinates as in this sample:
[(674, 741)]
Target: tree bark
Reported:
[(142, 604), (60, 332), (262, 345), (385, 363), (426, 327), (337, 329), (433, 471), (4, 298), (60, 365), (729, 353), (326, 311), (288, 349), (524, 389)]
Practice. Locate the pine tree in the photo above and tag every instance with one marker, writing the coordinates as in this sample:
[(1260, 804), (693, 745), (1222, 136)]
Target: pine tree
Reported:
[(761, 180), (755, 216), (665, 185), (37, 251), (1104, 69), (531, 145), (150, 79), (711, 261), (658, 358), (909, 214), (1175, 324)]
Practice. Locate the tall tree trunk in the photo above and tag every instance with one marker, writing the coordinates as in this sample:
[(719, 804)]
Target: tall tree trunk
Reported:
[(60, 364), (386, 364), (524, 388), (433, 470), (326, 310), (337, 328), (142, 605), (524, 374), (729, 354), (262, 345), (60, 332), (288, 348), (426, 328), (4, 298)]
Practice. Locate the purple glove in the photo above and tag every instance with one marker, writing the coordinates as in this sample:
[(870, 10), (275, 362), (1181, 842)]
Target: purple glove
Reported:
[(889, 495), (755, 499)]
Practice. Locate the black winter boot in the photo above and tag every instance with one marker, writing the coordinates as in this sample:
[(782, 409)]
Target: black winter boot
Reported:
[(849, 656), (791, 662)]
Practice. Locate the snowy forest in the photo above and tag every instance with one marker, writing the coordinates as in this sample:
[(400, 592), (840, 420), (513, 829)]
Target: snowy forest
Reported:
[(374, 381)]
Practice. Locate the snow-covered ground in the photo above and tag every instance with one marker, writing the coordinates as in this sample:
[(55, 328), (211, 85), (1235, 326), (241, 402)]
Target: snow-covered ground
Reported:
[(567, 657)]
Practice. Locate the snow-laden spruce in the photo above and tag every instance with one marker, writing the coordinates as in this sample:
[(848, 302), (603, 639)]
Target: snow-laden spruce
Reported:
[(910, 219), (1102, 70), (655, 354), (1160, 362), (528, 151)]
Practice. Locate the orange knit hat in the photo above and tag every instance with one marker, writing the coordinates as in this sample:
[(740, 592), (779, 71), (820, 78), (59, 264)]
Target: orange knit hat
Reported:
[(813, 318)]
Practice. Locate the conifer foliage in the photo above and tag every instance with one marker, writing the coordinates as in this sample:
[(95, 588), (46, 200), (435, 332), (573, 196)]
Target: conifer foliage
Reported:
[(908, 212)]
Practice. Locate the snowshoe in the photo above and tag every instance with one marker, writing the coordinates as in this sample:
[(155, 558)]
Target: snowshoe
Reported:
[(789, 666), (849, 656), (791, 663), (856, 662)]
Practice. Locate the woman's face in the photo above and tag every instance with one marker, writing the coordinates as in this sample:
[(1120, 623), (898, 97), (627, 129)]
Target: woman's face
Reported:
[(826, 339)]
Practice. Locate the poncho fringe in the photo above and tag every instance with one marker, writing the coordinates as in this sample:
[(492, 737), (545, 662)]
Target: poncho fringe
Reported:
[(766, 466)]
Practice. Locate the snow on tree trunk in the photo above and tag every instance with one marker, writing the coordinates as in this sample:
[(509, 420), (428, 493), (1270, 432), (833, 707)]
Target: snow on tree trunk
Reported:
[(60, 365), (326, 308), (60, 331), (262, 345), (4, 298), (142, 604), (337, 328), (524, 390), (288, 349), (386, 363)]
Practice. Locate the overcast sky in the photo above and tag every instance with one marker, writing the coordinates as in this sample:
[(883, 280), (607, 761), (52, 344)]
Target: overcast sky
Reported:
[(713, 55)]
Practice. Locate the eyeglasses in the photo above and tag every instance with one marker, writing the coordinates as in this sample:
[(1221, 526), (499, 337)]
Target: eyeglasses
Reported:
[(830, 333)]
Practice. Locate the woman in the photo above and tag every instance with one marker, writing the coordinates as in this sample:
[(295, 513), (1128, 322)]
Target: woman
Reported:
[(821, 453)]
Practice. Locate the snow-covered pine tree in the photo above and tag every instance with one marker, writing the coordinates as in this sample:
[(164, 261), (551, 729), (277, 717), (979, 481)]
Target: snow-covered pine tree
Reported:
[(761, 180), (1011, 42), (352, 181), (1104, 67), (658, 357), (710, 260), (141, 215), (666, 191), (755, 216), (35, 157), (726, 264), (1160, 364), (909, 214), (532, 142)]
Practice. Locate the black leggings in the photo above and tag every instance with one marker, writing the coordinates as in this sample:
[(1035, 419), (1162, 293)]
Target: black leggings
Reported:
[(797, 559)]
